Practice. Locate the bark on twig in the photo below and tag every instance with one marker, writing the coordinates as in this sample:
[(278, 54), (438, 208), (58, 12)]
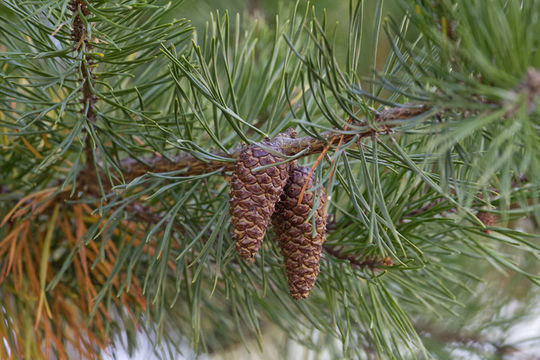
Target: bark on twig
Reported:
[(371, 262), (79, 36), (290, 146)]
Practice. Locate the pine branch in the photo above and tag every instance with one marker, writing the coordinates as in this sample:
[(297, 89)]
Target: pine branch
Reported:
[(79, 36), (371, 262), (139, 244), (289, 146)]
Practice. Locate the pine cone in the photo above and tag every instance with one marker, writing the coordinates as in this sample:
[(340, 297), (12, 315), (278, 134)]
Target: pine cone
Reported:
[(489, 219), (300, 249), (254, 196)]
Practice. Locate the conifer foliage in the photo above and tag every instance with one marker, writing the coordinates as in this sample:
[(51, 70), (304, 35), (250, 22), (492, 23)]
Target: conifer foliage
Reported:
[(142, 162)]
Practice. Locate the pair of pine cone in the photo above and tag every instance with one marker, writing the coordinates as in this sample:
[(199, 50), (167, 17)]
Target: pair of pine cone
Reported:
[(271, 195)]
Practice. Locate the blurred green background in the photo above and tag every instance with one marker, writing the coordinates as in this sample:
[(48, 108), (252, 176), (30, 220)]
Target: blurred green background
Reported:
[(336, 12)]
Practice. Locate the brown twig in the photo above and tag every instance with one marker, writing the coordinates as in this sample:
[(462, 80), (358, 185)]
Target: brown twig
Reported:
[(79, 35), (371, 262), (289, 146)]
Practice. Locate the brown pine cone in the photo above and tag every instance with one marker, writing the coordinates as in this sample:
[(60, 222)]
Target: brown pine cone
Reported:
[(254, 196), (300, 249), (489, 219)]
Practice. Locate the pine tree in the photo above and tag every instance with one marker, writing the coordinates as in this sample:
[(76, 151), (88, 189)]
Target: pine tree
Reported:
[(120, 127)]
